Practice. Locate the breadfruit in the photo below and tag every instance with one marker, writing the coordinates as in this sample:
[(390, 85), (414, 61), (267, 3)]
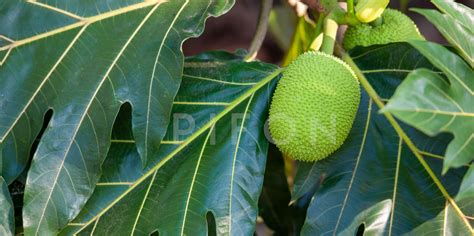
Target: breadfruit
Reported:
[(314, 106), (369, 10), (395, 27)]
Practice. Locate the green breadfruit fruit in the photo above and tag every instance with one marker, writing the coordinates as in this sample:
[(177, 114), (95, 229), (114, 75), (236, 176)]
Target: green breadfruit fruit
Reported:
[(314, 106), (395, 27)]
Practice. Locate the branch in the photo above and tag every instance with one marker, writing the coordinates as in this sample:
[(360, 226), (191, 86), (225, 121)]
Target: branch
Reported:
[(261, 31)]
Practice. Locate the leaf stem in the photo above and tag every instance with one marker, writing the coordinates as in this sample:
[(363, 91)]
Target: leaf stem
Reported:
[(350, 7), (373, 94), (330, 33), (261, 31)]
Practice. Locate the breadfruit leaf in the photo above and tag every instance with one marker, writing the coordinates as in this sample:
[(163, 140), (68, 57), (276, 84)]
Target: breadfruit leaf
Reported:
[(83, 59), (434, 104), (273, 204), (459, 35), (210, 163), (466, 191), (445, 223), (462, 13), (374, 179), (7, 226)]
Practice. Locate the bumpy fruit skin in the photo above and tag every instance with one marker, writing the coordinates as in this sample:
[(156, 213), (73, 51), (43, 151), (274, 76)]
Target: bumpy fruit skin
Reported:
[(396, 27), (314, 106)]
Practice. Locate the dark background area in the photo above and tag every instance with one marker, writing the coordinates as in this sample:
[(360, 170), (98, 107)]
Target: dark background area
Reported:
[(236, 28)]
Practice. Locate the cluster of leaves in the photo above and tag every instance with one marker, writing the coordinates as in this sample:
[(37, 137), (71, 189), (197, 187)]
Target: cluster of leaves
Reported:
[(447, 102), (111, 131)]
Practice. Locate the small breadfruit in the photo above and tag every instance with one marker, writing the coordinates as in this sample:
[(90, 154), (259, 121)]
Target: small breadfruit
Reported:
[(314, 106), (395, 27)]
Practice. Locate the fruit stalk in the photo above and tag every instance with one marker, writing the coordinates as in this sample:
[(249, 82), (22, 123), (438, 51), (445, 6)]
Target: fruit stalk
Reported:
[(350, 7), (330, 33)]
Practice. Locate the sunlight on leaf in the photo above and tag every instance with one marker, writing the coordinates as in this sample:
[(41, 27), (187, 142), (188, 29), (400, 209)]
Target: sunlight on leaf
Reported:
[(455, 32), (84, 69), (430, 103), (216, 166)]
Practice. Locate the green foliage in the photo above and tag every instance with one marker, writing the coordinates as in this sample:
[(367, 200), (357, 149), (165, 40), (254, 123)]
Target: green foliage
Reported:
[(216, 166), (95, 62), (395, 27), (6, 213), (273, 204), (455, 25), (433, 104), (314, 106), (109, 130), (374, 179)]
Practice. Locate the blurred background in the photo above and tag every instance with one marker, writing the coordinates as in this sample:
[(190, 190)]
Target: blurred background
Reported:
[(236, 29)]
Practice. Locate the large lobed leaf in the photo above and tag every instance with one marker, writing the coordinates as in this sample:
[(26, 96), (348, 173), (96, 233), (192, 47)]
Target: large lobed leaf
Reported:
[(209, 167), (455, 25), (433, 104), (375, 180), (83, 60)]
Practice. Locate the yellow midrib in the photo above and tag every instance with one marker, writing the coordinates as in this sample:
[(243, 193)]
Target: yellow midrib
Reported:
[(85, 21), (185, 143)]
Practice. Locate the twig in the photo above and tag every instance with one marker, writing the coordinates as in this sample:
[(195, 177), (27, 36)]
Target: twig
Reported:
[(261, 31)]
